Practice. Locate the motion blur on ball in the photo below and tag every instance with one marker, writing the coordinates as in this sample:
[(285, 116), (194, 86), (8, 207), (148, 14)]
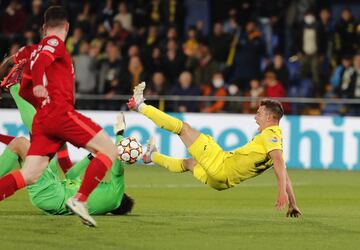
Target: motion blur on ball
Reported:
[(130, 150)]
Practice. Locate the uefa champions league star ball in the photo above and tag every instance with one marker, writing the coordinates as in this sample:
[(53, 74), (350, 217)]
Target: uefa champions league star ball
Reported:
[(129, 150)]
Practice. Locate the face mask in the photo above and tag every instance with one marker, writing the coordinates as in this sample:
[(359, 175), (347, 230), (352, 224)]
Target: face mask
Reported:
[(218, 83), (233, 89), (309, 19)]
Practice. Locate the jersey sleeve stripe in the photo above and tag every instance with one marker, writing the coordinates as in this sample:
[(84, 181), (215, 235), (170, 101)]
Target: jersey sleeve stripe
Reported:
[(48, 54), (15, 60), (26, 76)]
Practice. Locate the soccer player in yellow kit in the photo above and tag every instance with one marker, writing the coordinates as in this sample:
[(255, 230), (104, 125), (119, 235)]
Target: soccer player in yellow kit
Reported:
[(211, 164)]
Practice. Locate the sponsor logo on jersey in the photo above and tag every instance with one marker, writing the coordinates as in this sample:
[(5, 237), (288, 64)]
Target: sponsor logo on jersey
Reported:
[(274, 139), (53, 42)]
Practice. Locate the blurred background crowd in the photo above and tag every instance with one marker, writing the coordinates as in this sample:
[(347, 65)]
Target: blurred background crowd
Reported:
[(236, 48)]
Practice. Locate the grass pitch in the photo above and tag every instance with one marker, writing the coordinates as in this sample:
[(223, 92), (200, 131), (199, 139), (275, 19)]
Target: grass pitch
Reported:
[(174, 211)]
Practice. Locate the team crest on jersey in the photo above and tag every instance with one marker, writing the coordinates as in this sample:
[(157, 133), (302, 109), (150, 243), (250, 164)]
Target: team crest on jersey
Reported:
[(53, 42), (274, 139)]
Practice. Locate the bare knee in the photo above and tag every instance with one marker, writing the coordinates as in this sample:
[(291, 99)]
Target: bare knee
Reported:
[(20, 146), (189, 164), (32, 178)]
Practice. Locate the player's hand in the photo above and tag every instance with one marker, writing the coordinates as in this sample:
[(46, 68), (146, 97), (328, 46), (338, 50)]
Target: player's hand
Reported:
[(293, 211), (40, 91), (282, 200)]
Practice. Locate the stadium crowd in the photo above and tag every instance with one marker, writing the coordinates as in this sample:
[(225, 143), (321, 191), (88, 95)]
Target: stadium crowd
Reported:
[(239, 48)]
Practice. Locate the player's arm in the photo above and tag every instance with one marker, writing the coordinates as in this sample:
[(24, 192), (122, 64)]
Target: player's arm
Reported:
[(37, 72), (293, 210), (6, 66), (281, 175)]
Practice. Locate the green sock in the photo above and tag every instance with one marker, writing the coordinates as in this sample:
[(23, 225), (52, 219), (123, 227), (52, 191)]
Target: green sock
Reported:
[(27, 111), (8, 161), (78, 169)]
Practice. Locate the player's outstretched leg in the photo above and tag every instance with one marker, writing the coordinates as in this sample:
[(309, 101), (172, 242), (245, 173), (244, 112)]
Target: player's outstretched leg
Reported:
[(160, 118), (172, 164)]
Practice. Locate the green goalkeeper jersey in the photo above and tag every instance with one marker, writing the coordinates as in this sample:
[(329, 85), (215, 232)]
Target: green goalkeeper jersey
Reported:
[(50, 193)]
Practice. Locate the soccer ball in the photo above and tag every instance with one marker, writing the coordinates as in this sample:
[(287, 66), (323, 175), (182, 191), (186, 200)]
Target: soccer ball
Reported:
[(129, 150)]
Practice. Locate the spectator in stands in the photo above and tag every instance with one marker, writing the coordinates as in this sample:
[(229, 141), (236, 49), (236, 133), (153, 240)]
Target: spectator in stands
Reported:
[(191, 45), (185, 87), (219, 44), (105, 16), (74, 41), (86, 20), (133, 75), (13, 19), (174, 14), (249, 51), (280, 69), (109, 73), (215, 89), (155, 63), (345, 43), (330, 108), (85, 69), (35, 19), (205, 66), (353, 91), (256, 91), (326, 33), (157, 87), (174, 61), (341, 77), (155, 11), (118, 33), (308, 46), (124, 17), (274, 88), (233, 106)]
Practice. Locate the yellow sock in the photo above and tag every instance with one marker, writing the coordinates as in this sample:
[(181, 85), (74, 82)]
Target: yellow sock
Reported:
[(170, 163), (161, 119)]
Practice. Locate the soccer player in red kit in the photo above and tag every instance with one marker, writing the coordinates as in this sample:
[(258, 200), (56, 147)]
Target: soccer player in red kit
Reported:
[(56, 121)]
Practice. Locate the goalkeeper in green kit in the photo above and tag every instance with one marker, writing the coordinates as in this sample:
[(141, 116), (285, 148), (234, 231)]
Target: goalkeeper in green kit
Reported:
[(50, 193)]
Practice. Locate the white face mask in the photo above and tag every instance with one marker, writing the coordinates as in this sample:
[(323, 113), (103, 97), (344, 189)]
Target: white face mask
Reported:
[(218, 83), (309, 19), (233, 89)]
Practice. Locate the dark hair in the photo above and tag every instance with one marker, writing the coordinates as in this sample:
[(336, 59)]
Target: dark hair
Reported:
[(127, 204), (55, 16), (274, 107)]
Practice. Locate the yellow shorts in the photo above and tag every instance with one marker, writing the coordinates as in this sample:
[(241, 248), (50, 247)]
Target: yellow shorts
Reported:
[(210, 156)]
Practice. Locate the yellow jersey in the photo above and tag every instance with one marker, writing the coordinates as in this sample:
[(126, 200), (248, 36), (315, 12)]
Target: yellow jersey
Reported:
[(253, 158)]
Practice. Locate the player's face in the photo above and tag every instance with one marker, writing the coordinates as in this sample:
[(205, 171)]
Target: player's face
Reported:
[(262, 116)]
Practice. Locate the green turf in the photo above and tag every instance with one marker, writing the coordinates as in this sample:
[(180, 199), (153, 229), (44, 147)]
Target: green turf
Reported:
[(174, 211)]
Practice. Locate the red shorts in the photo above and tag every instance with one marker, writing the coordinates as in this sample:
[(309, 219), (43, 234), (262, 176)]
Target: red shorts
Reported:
[(54, 125)]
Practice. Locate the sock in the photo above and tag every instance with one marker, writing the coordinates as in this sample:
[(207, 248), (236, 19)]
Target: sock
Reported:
[(64, 160), (119, 137), (79, 168), (93, 176), (27, 111), (172, 164), (161, 119), (6, 139), (8, 160), (10, 183)]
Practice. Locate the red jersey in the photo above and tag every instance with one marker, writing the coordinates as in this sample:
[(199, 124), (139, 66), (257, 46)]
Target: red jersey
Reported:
[(51, 66), (26, 86)]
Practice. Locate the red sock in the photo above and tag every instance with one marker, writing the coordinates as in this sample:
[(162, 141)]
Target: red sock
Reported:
[(64, 160), (10, 183), (93, 175), (6, 139)]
